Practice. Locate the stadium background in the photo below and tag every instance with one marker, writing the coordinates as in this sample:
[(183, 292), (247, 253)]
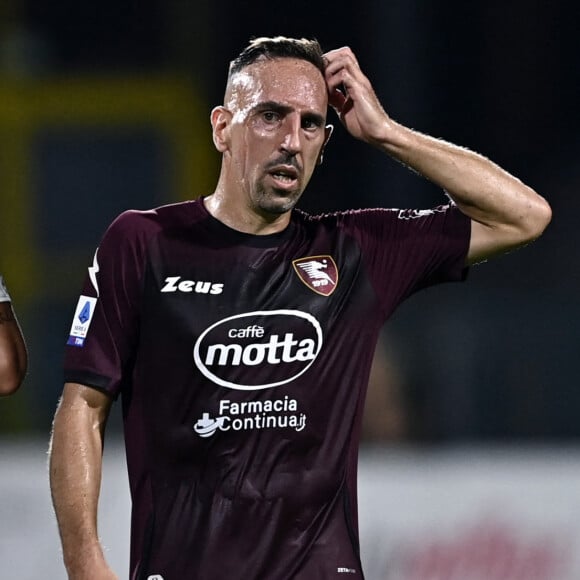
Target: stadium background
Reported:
[(104, 107)]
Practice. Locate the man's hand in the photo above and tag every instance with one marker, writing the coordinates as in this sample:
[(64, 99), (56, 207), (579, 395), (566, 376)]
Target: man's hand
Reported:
[(351, 95)]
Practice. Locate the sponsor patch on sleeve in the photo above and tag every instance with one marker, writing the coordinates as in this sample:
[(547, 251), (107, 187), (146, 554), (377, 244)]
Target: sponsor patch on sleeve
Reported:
[(82, 320)]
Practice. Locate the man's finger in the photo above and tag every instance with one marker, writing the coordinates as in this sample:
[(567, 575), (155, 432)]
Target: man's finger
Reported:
[(336, 99)]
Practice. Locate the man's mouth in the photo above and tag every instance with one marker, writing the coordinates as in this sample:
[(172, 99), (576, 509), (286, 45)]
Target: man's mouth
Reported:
[(286, 175), (283, 177)]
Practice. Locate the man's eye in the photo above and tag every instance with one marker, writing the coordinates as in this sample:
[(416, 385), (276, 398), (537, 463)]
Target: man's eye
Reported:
[(310, 124), (270, 116)]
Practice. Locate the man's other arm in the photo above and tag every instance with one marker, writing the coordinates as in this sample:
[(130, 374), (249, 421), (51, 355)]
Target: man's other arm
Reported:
[(75, 458)]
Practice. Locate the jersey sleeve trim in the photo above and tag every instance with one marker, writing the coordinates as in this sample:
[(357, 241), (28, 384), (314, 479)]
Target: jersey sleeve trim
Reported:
[(89, 379)]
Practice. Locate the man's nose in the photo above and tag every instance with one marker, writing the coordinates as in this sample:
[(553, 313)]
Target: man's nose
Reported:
[(292, 141)]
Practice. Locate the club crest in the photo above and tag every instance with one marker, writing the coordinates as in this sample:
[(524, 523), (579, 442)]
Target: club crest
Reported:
[(319, 273)]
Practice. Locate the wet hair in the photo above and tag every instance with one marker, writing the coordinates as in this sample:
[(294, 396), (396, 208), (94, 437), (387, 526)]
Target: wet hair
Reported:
[(278, 47)]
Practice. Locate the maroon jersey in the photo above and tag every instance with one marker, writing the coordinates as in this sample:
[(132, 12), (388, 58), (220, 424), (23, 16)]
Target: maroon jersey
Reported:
[(242, 362)]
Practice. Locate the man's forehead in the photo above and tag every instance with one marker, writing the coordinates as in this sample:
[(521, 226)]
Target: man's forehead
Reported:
[(282, 80)]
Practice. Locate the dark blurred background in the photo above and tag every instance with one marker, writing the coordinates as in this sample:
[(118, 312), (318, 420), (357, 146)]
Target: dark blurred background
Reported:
[(105, 106)]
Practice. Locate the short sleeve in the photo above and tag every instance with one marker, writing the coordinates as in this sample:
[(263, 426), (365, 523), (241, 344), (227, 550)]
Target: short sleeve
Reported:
[(101, 343), (407, 250)]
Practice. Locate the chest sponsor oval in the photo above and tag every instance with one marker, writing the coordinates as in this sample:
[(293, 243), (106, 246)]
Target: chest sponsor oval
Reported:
[(258, 350)]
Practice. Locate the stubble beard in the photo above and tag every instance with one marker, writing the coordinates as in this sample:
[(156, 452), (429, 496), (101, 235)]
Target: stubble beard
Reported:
[(275, 203)]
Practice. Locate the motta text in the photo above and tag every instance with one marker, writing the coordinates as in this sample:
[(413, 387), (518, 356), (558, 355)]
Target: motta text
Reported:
[(277, 350)]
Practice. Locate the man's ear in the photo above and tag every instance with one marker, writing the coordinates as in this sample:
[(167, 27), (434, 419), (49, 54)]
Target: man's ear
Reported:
[(327, 133), (220, 122)]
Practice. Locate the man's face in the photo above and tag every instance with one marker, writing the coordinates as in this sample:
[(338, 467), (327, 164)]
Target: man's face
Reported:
[(277, 131)]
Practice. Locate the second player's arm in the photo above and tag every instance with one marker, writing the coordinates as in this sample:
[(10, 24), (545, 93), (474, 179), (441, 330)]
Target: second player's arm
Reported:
[(13, 355), (75, 478)]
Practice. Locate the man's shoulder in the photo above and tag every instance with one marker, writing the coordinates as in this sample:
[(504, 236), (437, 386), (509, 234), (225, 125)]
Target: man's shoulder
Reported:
[(371, 214), (378, 225), (134, 222), (342, 217)]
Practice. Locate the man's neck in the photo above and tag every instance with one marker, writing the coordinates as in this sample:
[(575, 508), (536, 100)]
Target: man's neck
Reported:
[(244, 219)]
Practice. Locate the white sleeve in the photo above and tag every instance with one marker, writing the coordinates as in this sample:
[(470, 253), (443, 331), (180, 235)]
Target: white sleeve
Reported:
[(4, 296)]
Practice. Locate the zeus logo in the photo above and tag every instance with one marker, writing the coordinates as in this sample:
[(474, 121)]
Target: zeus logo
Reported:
[(176, 284), (93, 270)]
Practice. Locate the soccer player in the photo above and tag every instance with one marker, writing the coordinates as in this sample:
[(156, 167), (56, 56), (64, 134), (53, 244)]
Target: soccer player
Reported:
[(239, 331), (13, 355)]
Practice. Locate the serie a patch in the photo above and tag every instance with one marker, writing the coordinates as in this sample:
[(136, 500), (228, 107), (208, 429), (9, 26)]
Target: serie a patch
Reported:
[(82, 320)]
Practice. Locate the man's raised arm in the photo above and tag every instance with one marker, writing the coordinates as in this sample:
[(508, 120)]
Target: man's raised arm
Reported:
[(505, 213)]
